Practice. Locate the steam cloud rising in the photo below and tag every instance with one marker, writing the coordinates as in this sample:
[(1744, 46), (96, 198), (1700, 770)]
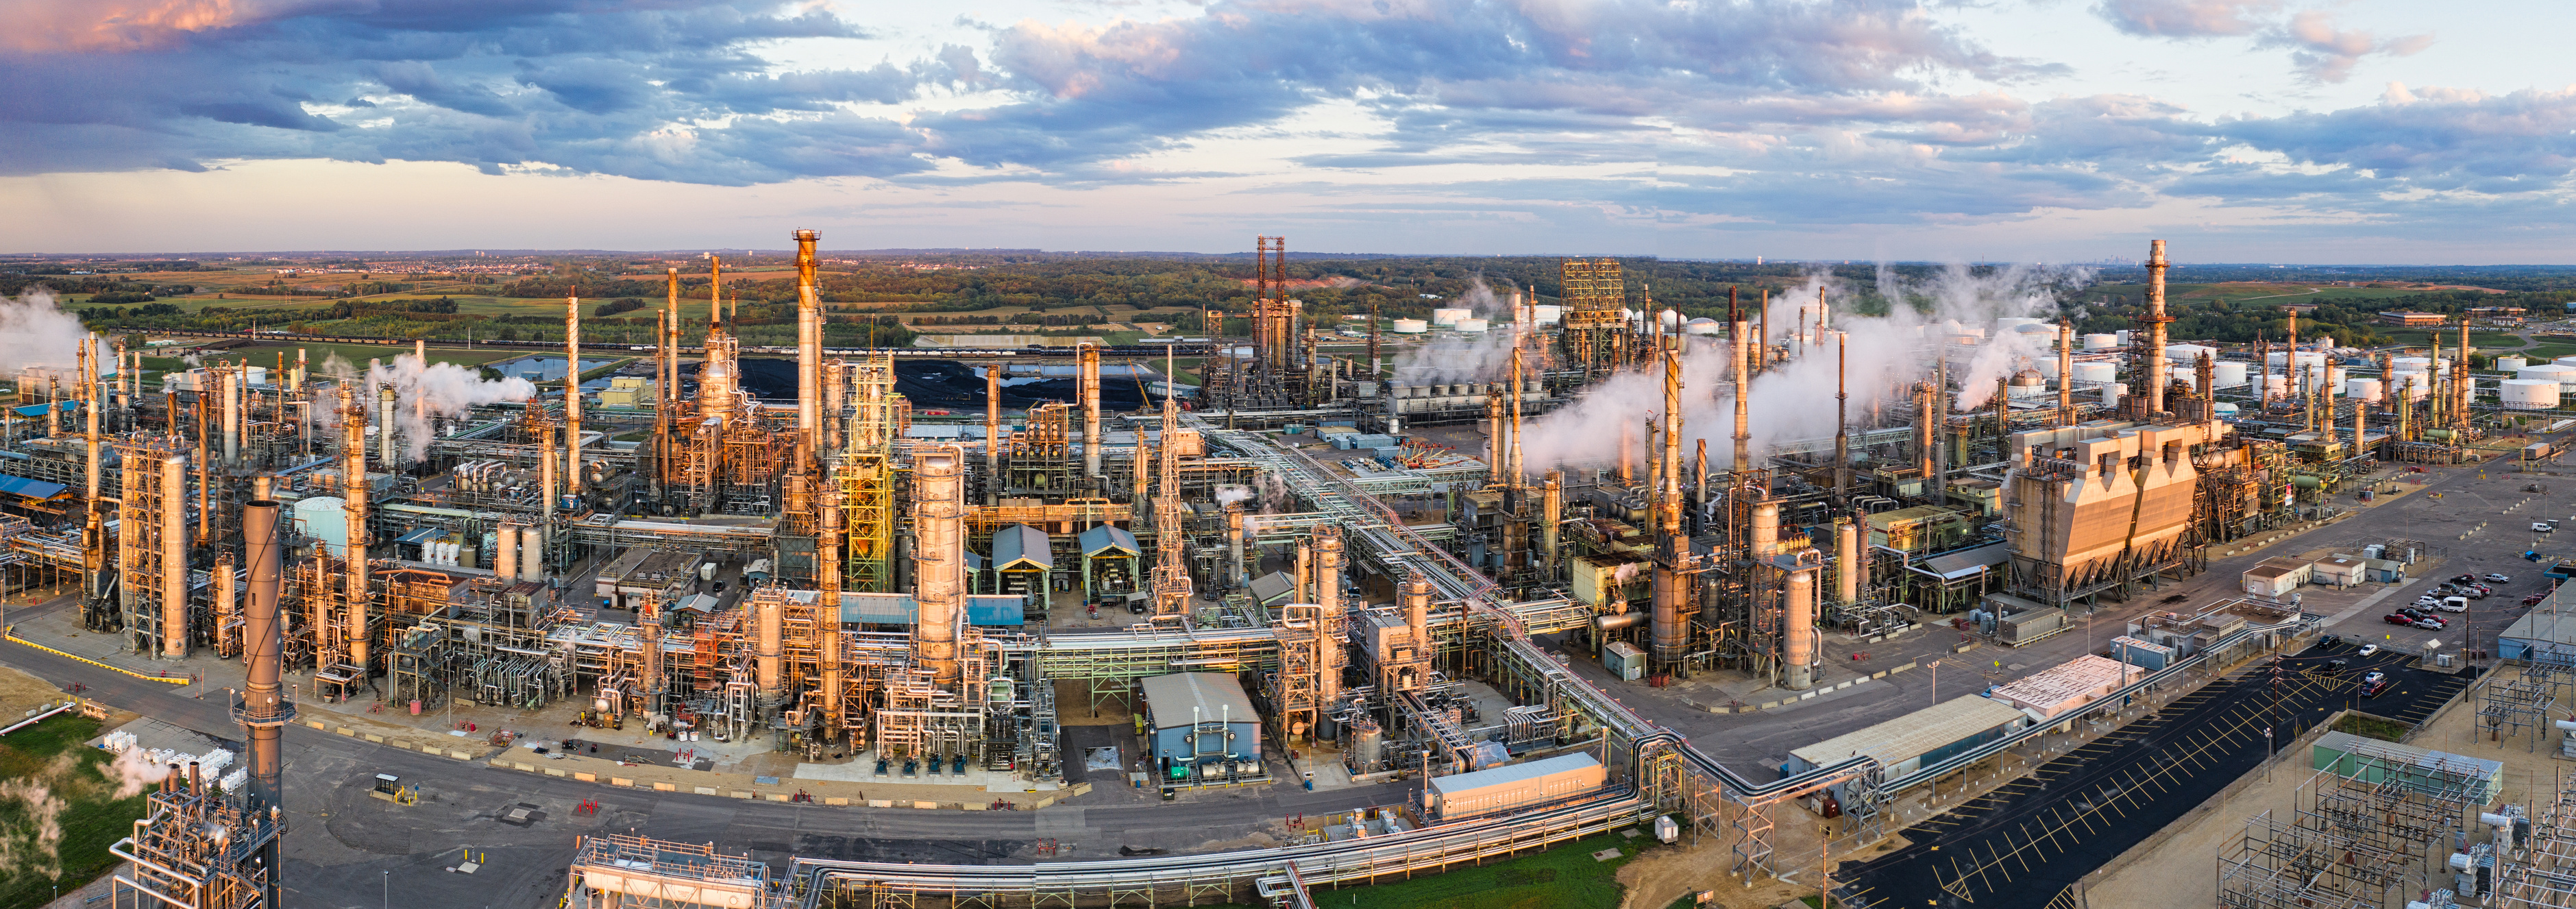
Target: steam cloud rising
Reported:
[(1795, 399)]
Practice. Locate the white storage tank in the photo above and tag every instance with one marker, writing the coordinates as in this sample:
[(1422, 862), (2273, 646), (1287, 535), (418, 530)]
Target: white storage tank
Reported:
[(2509, 364), (2529, 394), (2231, 373), (2418, 364), (1410, 326), (2123, 335), (2112, 393), (1547, 314), (2416, 385), (2279, 360), (2187, 353), (2226, 410), (2047, 366), (1445, 317), (2010, 323), (1671, 318), (2096, 372), (2363, 389), (1701, 326), (2565, 376), (2101, 341), (1473, 326), (2565, 361)]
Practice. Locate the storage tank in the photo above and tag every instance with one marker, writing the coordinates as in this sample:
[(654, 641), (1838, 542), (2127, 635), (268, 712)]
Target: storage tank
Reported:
[(2363, 389), (2565, 376), (1410, 326), (1473, 326), (2010, 323), (2113, 392), (2529, 394), (2565, 361), (322, 518), (2417, 364), (2027, 383), (1701, 326), (1448, 316), (2281, 359), (1547, 314), (2276, 384), (2509, 364), (2186, 353), (2416, 385), (2124, 336), (1368, 744), (2101, 341), (2231, 373), (2225, 410), (2096, 372)]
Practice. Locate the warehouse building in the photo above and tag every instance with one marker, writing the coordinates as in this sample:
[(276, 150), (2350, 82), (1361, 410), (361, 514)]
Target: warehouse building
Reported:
[(1194, 717)]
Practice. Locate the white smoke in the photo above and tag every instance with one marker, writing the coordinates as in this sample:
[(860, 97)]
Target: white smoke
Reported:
[(1795, 398), (1483, 358), (132, 772), (36, 332), (32, 844), (423, 391), (1230, 493), (1481, 299)]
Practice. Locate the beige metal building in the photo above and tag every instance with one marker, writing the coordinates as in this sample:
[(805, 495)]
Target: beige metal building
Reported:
[(2066, 687), (1462, 795), (2275, 577)]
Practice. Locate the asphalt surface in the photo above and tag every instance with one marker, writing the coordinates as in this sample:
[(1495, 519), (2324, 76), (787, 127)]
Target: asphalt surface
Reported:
[(344, 849), (2024, 843)]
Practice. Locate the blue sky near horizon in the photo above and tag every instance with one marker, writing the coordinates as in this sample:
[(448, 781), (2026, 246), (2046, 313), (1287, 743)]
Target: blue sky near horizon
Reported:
[(2360, 131)]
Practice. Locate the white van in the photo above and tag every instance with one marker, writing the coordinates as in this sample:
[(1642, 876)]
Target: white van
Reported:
[(2455, 604)]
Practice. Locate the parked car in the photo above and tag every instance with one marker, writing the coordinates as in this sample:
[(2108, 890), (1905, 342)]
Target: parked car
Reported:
[(2398, 618), (2496, 578), (2335, 667), (2429, 623), (2453, 604), (2534, 599), (2369, 650), (2375, 689), (2464, 579), (2543, 527), (2374, 677)]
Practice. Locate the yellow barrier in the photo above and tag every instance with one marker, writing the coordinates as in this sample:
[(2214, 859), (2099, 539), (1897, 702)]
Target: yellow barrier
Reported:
[(14, 638)]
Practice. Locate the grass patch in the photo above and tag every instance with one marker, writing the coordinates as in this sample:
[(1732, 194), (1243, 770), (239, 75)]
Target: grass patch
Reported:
[(46, 768), (2371, 727), (1565, 877), (2547, 352), (2483, 340)]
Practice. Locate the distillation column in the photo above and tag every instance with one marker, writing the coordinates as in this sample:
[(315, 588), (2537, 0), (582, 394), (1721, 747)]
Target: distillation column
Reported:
[(993, 435), (354, 491), (937, 557), (1331, 652), (1088, 379), (1798, 647), (1671, 631)]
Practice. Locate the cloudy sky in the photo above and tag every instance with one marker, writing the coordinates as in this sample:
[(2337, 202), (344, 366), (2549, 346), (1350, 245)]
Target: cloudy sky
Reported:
[(2026, 130)]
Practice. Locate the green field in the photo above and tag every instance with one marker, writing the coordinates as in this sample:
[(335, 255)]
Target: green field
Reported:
[(47, 765), (1565, 877)]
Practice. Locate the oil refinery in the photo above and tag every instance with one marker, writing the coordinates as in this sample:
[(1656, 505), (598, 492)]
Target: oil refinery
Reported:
[(1463, 569)]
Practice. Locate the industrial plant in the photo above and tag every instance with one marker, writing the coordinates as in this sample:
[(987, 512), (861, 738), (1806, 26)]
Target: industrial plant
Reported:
[(1347, 547)]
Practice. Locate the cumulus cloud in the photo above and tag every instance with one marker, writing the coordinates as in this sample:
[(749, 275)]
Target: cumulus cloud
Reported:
[(2319, 50), (2328, 54)]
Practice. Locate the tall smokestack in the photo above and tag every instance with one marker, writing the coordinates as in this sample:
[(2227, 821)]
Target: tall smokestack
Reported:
[(2156, 374), (231, 385), (809, 344), (938, 555), (354, 490), (1842, 414), (1087, 380), (94, 529), (993, 436), (666, 391), (572, 394), (1512, 469), (2066, 373), (386, 455), (1743, 385), (264, 651)]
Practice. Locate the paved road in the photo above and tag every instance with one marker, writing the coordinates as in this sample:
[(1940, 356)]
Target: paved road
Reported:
[(2022, 844), (343, 848)]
